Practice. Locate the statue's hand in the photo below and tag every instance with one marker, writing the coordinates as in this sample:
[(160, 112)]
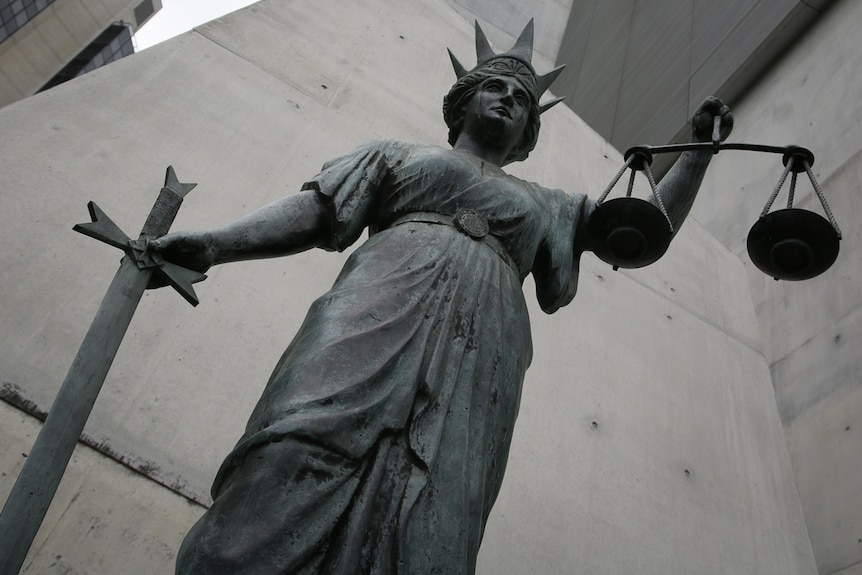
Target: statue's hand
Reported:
[(703, 122), (192, 250)]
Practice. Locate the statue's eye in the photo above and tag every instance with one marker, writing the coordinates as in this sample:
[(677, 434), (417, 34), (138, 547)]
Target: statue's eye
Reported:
[(493, 86), (522, 100)]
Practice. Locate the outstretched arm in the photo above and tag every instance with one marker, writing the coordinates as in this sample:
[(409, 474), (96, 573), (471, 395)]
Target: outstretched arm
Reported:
[(288, 226), (680, 185)]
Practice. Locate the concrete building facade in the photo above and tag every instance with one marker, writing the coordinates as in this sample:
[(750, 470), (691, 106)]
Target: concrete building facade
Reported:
[(672, 421)]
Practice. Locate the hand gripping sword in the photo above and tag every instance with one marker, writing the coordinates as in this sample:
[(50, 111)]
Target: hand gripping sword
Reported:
[(37, 483)]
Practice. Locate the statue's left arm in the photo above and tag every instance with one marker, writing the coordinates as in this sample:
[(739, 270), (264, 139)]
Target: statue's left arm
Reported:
[(680, 185), (556, 267)]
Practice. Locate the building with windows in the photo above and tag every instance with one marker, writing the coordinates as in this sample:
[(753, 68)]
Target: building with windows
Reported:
[(46, 42)]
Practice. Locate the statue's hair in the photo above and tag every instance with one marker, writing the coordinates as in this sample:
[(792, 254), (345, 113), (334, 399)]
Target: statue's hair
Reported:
[(455, 102)]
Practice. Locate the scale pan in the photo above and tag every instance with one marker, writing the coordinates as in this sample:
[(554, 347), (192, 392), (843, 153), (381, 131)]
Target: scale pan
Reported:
[(628, 232), (793, 244)]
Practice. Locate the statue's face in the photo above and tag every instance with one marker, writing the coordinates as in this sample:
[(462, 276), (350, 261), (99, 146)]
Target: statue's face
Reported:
[(498, 112)]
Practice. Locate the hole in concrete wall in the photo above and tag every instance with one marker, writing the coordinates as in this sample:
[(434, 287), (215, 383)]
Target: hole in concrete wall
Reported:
[(668, 316), (687, 472), (594, 425)]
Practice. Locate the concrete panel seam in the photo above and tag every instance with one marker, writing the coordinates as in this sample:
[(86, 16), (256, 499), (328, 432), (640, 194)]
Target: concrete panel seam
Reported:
[(820, 9), (734, 334), (852, 569), (17, 397), (297, 87), (813, 337)]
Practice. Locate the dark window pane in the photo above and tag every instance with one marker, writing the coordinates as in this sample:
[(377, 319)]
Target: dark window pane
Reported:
[(143, 11)]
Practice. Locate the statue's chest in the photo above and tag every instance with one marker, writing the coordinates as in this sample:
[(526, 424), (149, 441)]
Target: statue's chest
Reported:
[(444, 180)]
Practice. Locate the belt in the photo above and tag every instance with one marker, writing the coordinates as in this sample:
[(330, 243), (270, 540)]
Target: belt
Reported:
[(468, 222)]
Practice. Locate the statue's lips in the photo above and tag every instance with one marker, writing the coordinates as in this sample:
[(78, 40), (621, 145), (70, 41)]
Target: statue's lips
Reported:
[(502, 111)]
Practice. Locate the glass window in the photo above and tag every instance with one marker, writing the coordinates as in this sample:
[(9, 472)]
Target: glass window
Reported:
[(14, 14)]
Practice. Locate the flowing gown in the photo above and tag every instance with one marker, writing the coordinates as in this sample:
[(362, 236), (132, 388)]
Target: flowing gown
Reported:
[(380, 441)]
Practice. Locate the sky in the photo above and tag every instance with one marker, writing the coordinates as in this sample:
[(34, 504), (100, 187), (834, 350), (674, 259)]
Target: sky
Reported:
[(178, 16)]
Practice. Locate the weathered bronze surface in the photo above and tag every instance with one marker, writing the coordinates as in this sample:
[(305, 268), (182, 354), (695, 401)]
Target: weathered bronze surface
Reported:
[(380, 441)]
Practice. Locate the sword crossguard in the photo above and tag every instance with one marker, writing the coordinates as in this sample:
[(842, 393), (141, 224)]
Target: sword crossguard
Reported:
[(105, 230)]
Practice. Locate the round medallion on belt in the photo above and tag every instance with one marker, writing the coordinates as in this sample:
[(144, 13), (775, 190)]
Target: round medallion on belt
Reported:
[(471, 223)]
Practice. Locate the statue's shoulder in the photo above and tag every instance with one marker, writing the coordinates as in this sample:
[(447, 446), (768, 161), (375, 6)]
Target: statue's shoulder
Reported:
[(555, 196), (400, 153), (536, 188), (389, 146)]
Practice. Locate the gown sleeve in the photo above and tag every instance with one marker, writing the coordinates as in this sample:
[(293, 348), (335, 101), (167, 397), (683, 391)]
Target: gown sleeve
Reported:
[(556, 267), (350, 187)]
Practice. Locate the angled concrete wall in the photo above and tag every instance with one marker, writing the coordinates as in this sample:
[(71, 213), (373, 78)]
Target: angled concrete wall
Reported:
[(649, 439), (642, 68), (812, 330), (637, 70)]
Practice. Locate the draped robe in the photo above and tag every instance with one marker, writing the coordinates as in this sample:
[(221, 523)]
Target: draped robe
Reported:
[(380, 441)]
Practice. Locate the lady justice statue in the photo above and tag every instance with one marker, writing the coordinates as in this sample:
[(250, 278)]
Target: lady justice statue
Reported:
[(380, 441)]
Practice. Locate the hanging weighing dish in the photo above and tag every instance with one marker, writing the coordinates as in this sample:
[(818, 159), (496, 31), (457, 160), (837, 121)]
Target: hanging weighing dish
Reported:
[(793, 244), (628, 232)]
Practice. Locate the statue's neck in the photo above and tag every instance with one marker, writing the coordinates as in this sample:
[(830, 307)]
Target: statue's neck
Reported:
[(467, 144)]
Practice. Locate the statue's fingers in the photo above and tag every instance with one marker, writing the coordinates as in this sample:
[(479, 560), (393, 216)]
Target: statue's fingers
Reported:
[(710, 105)]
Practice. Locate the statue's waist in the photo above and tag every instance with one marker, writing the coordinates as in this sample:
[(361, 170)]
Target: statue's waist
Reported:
[(468, 222)]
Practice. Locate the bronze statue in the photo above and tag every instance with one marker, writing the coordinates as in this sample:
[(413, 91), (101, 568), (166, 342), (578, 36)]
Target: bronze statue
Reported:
[(380, 441)]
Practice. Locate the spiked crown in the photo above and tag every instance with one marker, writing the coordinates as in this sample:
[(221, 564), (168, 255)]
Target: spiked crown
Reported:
[(522, 51)]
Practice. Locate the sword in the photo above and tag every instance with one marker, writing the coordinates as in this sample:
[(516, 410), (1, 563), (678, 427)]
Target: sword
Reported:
[(37, 483)]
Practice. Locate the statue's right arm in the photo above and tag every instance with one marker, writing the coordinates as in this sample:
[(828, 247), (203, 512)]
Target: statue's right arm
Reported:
[(288, 226)]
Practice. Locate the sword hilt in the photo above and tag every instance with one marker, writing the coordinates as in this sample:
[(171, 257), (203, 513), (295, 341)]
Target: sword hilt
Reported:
[(158, 223), (166, 207)]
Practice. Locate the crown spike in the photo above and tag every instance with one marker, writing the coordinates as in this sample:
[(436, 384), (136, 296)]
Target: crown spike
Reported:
[(460, 70), (523, 48), (483, 47), (522, 51), (545, 81), (550, 104)]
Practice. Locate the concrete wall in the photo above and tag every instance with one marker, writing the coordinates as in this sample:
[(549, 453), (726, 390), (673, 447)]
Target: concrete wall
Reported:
[(812, 330), (649, 439), (638, 70), (104, 519)]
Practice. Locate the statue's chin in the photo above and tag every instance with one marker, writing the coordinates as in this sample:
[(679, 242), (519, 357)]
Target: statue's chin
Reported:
[(493, 129)]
